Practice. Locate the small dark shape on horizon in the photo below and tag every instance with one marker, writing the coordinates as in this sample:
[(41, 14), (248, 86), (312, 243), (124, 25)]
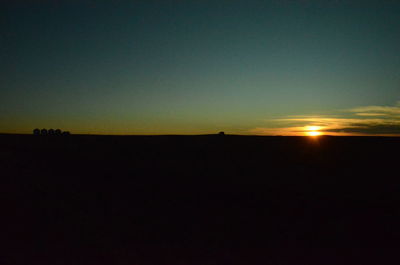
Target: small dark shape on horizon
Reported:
[(56, 132), (221, 133)]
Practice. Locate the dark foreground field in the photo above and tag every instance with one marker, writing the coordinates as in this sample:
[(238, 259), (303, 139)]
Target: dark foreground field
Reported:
[(199, 200)]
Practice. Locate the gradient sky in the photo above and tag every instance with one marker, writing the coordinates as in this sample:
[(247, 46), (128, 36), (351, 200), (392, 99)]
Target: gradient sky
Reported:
[(194, 67)]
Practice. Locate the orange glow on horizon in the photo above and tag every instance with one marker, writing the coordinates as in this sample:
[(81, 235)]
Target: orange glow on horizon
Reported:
[(313, 130), (314, 133)]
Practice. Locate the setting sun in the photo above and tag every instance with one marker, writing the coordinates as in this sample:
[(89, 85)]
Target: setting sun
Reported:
[(313, 133), (313, 130)]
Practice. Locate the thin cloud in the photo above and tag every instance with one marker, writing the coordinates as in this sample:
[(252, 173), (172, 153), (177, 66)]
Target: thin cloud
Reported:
[(370, 114), (367, 120), (370, 129), (380, 110)]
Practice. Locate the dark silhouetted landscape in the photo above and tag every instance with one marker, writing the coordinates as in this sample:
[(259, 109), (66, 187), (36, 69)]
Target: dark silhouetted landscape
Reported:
[(209, 199)]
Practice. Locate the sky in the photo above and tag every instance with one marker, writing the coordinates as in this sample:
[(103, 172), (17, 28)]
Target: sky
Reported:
[(279, 67)]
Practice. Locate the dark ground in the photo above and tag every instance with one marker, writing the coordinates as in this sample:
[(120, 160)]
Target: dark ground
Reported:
[(189, 200)]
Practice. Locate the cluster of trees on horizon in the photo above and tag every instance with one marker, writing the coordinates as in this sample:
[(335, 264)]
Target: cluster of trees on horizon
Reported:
[(50, 132)]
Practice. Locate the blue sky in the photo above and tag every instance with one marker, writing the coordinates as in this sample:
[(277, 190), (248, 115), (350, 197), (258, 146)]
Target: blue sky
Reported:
[(193, 67)]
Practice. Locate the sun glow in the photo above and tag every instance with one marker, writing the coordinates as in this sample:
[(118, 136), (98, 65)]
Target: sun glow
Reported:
[(313, 130), (313, 133)]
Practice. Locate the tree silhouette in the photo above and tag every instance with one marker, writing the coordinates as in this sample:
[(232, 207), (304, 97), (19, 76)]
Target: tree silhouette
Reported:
[(43, 132), (57, 132), (65, 133), (51, 132), (36, 131)]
